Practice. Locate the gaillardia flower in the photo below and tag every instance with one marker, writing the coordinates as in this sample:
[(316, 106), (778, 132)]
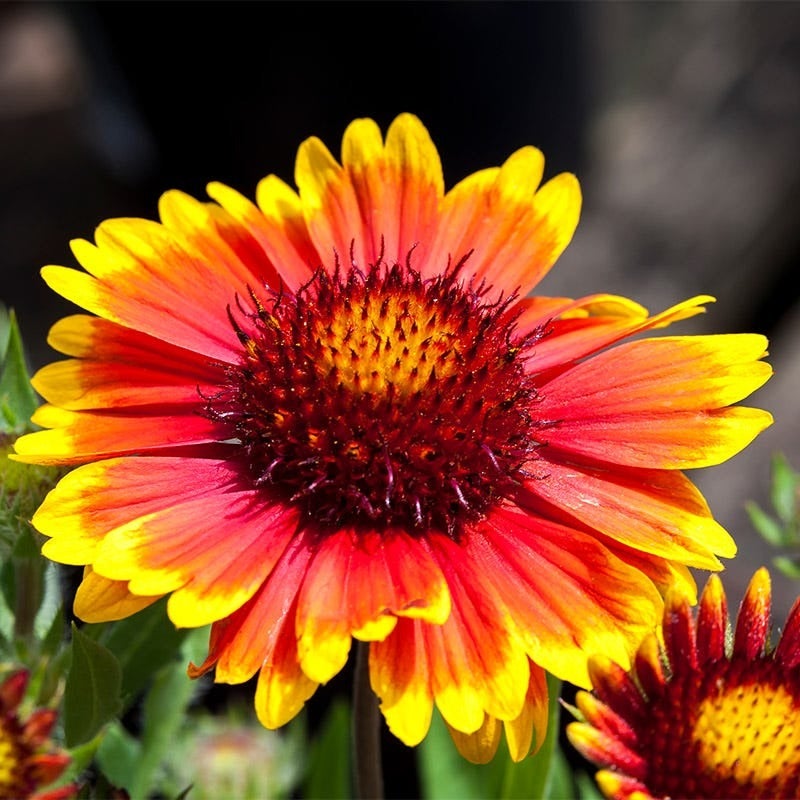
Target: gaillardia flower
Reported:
[(337, 414), (28, 762), (707, 715)]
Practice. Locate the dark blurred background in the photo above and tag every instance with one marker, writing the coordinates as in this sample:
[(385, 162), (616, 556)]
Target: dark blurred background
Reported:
[(682, 121)]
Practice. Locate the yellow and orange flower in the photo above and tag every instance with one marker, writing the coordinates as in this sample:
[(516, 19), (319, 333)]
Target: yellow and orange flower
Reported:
[(337, 414), (28, 761), (707, 715)]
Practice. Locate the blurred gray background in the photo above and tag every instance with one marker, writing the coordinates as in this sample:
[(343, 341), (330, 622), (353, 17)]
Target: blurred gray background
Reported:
[(682, 121)]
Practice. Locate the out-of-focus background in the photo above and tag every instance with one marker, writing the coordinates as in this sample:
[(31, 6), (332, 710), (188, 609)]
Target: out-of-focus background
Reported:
[(682, 121)]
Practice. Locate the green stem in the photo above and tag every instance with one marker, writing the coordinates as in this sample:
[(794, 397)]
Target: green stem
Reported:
[(366, 731)]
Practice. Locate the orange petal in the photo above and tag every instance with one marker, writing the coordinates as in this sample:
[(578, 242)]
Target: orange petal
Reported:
[(149, 278), (567, 593), (660, 439), (93, 499), (525, 734), (277, 226), (472, 665), (282, 687), (330, 206), (683, 373), (477, 661), (514, 232), (712, 622), (399, 670), (398, 187), (79, 384), (245, 641), (654, 511), (357, 585), (658, 403), (77, 436), (213, 233), (480, 746), (574, 329), (754, 618), (212, 569), (88, 337)]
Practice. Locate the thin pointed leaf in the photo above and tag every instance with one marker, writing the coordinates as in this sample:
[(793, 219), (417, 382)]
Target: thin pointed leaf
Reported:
[(790, 567), (770, 530), (784, 489), (17, 398)]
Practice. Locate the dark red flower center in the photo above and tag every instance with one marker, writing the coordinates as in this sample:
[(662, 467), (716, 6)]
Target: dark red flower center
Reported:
[(14, 781), (730, 731), (382, 398)]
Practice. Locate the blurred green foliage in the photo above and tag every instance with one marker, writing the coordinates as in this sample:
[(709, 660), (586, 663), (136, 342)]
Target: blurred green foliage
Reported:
[(780, 527)]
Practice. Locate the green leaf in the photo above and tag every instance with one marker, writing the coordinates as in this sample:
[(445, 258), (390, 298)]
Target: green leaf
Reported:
[(164, 712), (783, 492), (143, 643), (329, 770), (790, 567), (768, 528), (561, 780), (81, 756), (17, 398), (587, 787), (92, 690), (118, 756), (444, 773), (531, 776)]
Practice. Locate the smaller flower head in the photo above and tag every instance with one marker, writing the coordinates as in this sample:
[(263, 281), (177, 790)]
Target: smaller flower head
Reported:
[(707, 715), (28, 761), (233, 756)]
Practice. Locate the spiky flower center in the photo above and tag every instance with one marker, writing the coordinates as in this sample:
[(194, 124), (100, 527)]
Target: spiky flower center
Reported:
[(732, 733), (380, 398), (13, 782)]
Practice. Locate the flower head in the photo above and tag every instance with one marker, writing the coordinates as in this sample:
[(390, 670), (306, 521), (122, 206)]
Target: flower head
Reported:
[(338, 414), (230, 757), (28, 763), (706, 715)]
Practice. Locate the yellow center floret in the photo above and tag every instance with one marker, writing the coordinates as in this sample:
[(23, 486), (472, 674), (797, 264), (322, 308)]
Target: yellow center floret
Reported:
[(728, 731), (750, 733), (10, 764), (389, 340)]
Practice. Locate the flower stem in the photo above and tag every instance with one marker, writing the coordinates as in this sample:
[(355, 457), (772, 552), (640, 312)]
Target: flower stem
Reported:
[(366, 731)]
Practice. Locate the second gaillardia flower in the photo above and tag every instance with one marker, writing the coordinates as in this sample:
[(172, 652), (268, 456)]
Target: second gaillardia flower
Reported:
[(337, 414)]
